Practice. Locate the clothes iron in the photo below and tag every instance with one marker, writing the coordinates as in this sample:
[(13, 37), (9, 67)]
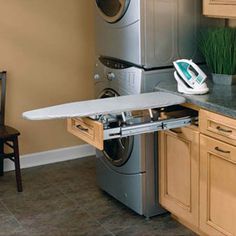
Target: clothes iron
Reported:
[(190, 78)]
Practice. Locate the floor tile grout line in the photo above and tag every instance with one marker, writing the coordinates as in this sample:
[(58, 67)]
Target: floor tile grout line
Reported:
[(58, 183), (99, 222), (66, 196), (5, 206), (81, 207), (85, 210), (91, 216)]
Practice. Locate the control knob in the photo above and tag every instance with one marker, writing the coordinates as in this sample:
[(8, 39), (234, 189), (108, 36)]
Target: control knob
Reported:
[(96, 77), (111, 76)]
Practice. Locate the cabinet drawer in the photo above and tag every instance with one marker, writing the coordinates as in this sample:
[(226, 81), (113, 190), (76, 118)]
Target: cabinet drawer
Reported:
[(220, 8), (219, 148), (218, 126), (114, 126), (89, 130)]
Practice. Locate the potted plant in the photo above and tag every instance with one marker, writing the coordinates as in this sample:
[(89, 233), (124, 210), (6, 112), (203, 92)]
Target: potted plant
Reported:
[(218, 46)]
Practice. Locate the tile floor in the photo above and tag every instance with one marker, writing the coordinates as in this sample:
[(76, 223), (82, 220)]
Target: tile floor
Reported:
[(63, 199)]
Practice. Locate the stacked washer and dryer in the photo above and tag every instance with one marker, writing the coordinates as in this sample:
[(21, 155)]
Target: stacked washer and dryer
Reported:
[(136, 43)]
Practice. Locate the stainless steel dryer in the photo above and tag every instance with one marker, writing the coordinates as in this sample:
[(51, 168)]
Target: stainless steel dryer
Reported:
[(127, 168), (149, 33)]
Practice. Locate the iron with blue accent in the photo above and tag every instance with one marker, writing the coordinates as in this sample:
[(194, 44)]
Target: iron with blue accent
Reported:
[(190, 78)]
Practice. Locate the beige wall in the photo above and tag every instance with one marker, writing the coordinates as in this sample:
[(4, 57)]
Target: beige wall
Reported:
[(47, 47)]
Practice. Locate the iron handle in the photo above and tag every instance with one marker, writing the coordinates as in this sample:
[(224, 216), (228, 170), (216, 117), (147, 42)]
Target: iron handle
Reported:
[(223, 130), (221, 150), (80, 127)]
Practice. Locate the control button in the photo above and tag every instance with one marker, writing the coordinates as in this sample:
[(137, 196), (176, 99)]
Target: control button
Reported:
[(96, 77), (111, 76)]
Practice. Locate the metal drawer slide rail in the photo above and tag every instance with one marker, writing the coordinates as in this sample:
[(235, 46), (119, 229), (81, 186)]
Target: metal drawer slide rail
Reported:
[(125, 130)]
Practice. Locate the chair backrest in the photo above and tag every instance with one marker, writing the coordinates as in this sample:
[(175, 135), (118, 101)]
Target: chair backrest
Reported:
[(3, 77)]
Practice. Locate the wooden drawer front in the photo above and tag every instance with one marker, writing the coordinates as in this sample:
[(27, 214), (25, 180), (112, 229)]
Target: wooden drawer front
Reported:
[(221, 149), (223, 2), (88, 130), (218, 126), (220, 8)]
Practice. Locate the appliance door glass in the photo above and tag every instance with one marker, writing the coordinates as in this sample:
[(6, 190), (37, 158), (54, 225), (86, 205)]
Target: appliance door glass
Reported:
[(112, 10), (117, 151)]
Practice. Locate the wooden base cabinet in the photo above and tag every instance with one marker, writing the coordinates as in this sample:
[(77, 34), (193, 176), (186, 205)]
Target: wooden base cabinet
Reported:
[(220, 8), (217, 187), (179, 173)]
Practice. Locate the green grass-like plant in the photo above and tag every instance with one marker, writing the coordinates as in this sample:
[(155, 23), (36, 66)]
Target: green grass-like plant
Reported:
[(218, 46)]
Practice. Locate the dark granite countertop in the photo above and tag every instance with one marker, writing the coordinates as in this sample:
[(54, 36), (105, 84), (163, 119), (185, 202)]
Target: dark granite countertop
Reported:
[(220, 99)]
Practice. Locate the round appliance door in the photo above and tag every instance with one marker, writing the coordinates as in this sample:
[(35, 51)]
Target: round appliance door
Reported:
[(117, 151), (112, 10)]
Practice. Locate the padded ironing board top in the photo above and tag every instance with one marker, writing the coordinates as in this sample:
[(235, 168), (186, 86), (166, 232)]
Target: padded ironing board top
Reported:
[(105, 106)]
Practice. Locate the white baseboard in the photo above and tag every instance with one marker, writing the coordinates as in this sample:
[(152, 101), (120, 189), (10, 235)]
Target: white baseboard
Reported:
[(52, 156)]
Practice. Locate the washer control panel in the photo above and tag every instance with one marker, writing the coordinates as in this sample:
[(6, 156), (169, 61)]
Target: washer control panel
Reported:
[(115, 63), (123, 78)]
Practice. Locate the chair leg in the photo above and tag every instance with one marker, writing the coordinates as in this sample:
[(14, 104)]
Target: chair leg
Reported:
[(1, 160), (17, 165), (1, 167)]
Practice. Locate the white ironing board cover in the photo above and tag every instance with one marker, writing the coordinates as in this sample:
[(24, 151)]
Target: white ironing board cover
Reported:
[(112, 105)]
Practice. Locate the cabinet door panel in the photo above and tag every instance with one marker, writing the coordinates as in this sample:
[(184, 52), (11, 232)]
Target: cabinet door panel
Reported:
[(179, 163), (217, 189), (177, 167)]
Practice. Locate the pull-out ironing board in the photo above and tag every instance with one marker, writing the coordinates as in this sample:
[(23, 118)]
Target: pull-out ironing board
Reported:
[(96, 120), (111, 105)]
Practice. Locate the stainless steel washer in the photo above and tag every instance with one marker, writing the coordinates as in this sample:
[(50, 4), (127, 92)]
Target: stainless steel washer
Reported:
[(127, 168), (149, 33)]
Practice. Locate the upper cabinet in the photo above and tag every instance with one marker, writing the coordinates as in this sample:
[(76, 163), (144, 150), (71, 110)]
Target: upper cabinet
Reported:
[(220, 8)]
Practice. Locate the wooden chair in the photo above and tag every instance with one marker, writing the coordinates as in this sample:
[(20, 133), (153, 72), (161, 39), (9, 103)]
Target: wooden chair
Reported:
[(8, 137)]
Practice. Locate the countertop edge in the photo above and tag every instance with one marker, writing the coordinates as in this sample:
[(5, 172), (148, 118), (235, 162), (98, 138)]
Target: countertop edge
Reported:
[(203, 105)]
